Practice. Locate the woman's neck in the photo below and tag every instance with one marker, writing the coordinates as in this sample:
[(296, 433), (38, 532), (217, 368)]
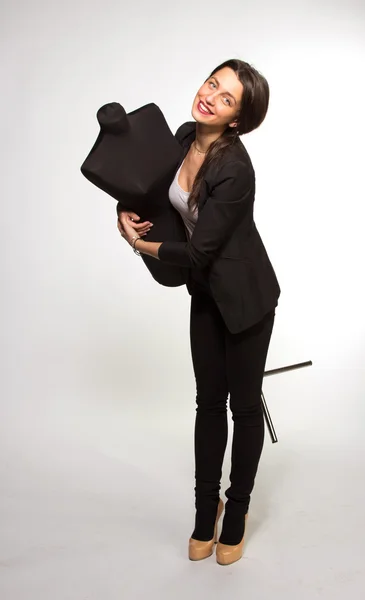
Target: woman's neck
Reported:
[(205, 136)]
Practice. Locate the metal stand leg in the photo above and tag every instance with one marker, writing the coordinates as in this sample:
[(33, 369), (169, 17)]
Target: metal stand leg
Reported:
[(267, 416)]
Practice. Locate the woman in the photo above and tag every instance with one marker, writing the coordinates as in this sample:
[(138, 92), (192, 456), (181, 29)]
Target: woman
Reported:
[(234, 292)]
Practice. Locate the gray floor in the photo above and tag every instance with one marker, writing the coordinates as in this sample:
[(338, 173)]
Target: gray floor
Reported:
[(108, 514)]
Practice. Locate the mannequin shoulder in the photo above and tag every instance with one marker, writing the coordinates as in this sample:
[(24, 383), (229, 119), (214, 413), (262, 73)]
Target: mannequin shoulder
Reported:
[(185, 130)]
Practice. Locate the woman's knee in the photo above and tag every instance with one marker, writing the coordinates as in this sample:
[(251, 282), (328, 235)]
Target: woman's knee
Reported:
[(249, 413), (211, 401)]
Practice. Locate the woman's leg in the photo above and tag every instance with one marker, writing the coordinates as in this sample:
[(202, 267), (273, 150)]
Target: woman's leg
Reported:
[(246, 354), (207, 337)]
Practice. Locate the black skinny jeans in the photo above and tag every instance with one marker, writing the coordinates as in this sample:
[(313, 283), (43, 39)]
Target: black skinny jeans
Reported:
[(234, 364)]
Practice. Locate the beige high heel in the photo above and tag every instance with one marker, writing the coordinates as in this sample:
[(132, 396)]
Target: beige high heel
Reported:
[(198, 549), (227, 554)]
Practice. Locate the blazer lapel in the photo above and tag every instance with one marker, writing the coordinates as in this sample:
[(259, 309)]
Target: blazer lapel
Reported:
[(185, 144), (239, 151)]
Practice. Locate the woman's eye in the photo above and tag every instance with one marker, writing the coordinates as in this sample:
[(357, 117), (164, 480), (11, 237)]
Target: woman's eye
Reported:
[(229, 102), (212, 83)]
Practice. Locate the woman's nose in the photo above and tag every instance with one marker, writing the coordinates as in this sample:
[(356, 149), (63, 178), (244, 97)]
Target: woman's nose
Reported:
[(210, 99)]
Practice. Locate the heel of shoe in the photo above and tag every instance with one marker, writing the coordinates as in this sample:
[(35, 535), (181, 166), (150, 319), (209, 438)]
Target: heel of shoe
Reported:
[(227, 554), (199, 550), (219, 513)]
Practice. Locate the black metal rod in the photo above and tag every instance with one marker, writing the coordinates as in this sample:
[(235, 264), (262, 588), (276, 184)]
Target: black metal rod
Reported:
[(267, 416), (289, 368), (268, 420)]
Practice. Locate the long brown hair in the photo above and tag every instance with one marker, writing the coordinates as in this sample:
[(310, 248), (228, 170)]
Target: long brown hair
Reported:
[(252, 111)]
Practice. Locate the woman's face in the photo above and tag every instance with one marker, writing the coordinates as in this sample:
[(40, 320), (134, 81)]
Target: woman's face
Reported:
[(221, 94)]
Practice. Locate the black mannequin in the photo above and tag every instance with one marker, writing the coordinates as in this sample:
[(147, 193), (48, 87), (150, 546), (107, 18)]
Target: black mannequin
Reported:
[(134, 160)]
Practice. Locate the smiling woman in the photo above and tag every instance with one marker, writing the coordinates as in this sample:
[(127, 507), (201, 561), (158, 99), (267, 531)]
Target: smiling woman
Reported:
[(237, 97), (234, 293), (227, 98)]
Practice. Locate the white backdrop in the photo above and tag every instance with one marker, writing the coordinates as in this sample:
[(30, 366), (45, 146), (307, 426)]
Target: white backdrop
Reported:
[(98, 394)]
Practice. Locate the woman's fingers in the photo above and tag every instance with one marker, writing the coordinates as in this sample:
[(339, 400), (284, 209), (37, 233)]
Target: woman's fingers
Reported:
[(133, 216), (132, 219), (140, 226), (143, 227)]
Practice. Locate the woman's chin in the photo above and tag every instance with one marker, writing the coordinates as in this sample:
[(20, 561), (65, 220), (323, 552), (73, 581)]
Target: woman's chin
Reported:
[(199, 118)]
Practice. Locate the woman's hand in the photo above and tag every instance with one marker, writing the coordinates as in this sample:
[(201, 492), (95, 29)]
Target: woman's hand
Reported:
[(128, 227), (128, 230)]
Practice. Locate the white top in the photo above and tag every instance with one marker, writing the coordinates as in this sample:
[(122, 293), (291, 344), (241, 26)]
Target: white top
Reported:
[(179, 200)]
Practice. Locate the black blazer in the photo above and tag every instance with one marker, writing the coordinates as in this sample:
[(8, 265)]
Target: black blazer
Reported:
[(225, 246)]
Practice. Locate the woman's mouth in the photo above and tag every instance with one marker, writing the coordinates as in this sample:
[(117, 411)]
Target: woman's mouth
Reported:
[(203, 109)]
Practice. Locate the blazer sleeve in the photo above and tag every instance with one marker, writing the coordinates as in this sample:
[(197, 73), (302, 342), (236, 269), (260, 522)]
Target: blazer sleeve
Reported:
[(230, 200)]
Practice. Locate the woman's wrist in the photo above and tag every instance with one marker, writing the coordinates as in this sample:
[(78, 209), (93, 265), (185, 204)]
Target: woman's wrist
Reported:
[(133, 243), (149, 248)]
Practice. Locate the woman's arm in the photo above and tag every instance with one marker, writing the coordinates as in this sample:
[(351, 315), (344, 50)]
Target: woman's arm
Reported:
[(133, 220), (150, 248), (229, 202), (130, 232)]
